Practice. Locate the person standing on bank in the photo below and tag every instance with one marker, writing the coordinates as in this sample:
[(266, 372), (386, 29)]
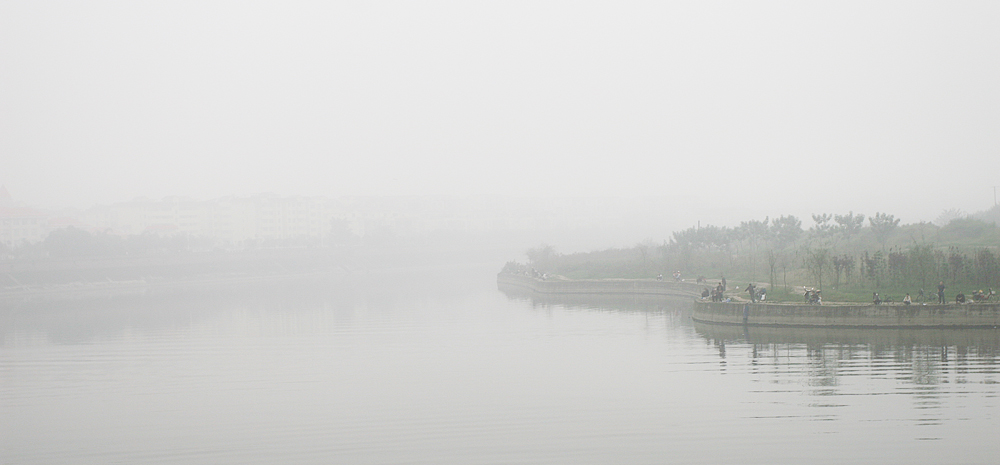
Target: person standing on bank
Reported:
[(941, 292), (753, 292)]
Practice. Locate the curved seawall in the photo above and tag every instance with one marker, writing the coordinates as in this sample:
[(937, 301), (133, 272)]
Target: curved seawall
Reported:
[(848, 316), (599, 286)]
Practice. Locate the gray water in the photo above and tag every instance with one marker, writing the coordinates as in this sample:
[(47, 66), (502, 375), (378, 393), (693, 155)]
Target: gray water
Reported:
[(437, 366)]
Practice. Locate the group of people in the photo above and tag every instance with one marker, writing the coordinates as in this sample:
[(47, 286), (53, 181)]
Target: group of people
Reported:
[(813, 296), (677, 276), (960, 298), (537, 274), (980, 296), (716, 293), (977, 296), (757, 294)]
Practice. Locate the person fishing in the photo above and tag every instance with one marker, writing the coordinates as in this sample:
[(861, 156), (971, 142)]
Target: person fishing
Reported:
[(753, 292)]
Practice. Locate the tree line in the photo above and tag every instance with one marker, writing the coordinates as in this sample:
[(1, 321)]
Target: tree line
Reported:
[(849, 251)]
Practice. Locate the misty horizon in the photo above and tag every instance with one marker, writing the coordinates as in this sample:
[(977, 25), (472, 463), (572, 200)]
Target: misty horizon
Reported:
[(731, 113), (293, 232)]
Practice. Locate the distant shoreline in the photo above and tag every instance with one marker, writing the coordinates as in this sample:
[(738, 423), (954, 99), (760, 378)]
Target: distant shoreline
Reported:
[(740, 313), (557, 285)]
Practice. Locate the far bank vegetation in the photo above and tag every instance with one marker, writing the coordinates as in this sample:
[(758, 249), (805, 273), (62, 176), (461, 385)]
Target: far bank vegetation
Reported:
[(848, 256)]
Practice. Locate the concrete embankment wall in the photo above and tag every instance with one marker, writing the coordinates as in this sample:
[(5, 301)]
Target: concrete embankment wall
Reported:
[(600, 286), (854, 316)]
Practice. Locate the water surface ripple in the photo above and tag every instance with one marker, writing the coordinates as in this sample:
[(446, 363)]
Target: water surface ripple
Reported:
[(437, 367)]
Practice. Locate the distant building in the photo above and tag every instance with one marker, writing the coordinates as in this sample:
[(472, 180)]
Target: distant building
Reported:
[(20, 225), (231, 219), (239, 221)]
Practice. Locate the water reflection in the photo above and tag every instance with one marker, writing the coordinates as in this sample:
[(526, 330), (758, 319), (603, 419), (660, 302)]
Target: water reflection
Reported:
[(428, 367), (983, 341), (929, 380), (932, 369), (617, 303), (178, 307)]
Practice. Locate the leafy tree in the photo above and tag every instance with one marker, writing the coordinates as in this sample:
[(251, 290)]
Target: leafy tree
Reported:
[(948, 216), (850, 224), (643, 249), (842, 264), (991, 215), (922, 262), (883, 224), (774, 242), (897, 264), (513, 267), (753, 232), (706, 237), (541, 256), (70, 242), (956, 262), (822, 228), (964, 229), (872, 266), (987, 267), (848, 267), (785, 230)]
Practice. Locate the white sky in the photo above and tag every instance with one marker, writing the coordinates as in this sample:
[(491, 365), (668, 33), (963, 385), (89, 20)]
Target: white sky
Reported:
[(735, 110)]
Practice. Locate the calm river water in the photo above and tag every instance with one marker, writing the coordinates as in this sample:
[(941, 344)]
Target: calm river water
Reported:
[(437, 366)]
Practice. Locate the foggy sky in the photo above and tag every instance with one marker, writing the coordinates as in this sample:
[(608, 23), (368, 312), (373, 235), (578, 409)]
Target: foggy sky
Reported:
[(731, 110)]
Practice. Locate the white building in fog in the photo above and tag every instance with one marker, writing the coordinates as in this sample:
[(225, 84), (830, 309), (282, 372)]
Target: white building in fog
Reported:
[(19, 224), (230, 219), (238, 221)]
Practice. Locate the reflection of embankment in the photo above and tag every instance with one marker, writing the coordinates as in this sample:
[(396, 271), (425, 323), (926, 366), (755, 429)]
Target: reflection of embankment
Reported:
[(847, 316), (636, 302), (629, 287), (978, 340), (83, 318), (55, 271), (113, 289), (101, 277), (183, 304)]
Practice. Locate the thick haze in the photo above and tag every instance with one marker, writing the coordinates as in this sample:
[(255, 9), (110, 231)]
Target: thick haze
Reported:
[(734, 110)]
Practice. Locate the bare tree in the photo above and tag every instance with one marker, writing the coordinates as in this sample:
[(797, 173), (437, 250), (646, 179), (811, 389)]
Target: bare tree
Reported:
[(816, 261)]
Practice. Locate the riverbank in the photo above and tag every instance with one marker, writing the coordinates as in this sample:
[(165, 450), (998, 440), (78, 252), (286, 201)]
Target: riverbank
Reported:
[(792, 315)]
